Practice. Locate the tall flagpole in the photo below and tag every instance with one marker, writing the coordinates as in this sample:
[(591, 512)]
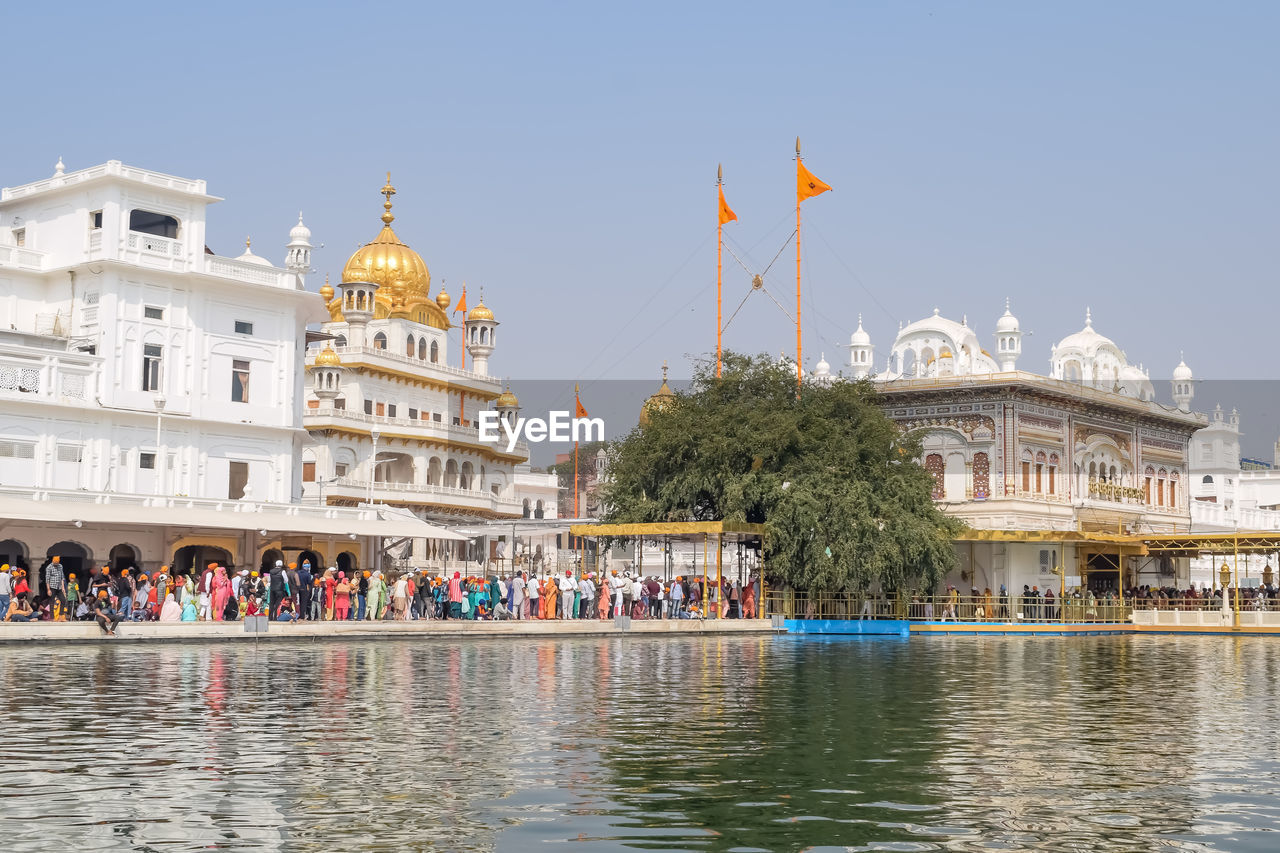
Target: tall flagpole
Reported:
[(576, 406), (799, 370), (719, 243), (462, 398)]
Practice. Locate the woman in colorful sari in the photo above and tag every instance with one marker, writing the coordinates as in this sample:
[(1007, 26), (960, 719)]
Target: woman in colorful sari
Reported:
[(188, 591), (341, 598), (749, 600), (189, 608), (551, 595), (400, 598), (330, 583), (170, 611), (603, 601), (377, 606), (221, 592)]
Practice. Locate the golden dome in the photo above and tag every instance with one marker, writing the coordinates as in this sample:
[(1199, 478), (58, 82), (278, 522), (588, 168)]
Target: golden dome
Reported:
[(402, 276), (480, 312), (442, 299), (327, 357), (326, 289), (507, 400), (659, 400), (946, 353)]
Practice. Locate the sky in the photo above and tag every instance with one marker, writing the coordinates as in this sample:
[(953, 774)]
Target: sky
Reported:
[(1115, 156)]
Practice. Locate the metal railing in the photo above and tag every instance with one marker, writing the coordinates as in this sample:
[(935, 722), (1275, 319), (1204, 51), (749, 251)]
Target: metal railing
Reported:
[(942, 608)]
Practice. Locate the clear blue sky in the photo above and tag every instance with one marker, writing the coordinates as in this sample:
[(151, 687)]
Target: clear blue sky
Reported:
[(1116, 155)]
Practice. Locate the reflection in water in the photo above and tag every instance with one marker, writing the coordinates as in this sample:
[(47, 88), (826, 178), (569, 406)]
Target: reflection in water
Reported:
[(716, 743)]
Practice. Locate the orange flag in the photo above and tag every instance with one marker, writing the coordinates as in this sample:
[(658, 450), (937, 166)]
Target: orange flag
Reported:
[(726, 214), (462, 303), (807, 186), (579, 410)]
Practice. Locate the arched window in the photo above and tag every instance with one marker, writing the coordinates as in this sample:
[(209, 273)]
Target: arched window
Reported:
[(410, 347), (156, 224), (435, 352), (937, 470), (380, 341), (484, 334), (538, 510), (422, 349), (981, 476), (1208, 478), (340, 341), (526, 508), (434, 472)]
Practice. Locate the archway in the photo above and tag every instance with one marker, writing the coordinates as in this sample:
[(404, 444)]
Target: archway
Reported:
[(347, 563), (73, 556), (269, 558), (187, 558), (317, 562), (14, 553), (123, 557)]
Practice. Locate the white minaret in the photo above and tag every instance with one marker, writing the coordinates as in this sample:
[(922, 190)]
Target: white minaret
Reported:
[(1182, 383), (1008, 340), (298, 258), (357, 308), (480, 327), (860, 351)]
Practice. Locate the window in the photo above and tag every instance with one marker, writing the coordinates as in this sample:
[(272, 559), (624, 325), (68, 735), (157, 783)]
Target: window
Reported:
[(340, 403), (95, 219), (410, 346), (380, 341), (243, 328), (70, 453), (147, 461), (237, 480), (340, 470), (413, 414), (151, 312), (422, 349), (308, 472), (340, 341), (313, 404), (156, 224), (17, 450), (20, 237), (435, 416), (381, 409), (1026, 477), (239, 381), (435, 352), (368, 407), (151, 357), (391, 410)]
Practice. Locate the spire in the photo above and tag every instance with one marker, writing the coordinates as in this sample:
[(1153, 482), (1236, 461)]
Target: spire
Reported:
[(1088, 318), (387, 191), (59, 168)]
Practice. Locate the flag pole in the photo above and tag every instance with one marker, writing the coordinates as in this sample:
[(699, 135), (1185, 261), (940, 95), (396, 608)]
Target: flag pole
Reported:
[(719, 267), (462, 398), (799, 371), (577, 405)]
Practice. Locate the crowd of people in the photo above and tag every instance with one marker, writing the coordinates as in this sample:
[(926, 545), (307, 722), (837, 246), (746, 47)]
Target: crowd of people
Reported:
[(293, 592)]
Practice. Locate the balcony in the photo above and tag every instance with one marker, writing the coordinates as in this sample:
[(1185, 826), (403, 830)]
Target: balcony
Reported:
[(464, 500), (411, 428), (148, 250), (241, 271), (21, 258), (374, 355), (40, 375)]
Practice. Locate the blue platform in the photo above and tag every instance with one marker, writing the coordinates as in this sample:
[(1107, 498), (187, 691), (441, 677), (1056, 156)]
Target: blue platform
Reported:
[(862, 627)]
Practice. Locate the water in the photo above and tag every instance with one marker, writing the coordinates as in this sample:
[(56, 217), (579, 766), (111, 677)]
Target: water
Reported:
[(719, 743)]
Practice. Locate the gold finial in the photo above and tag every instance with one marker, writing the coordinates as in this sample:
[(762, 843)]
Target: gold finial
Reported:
[(246, 244), (719, 173), (388, 191), (797, 146)]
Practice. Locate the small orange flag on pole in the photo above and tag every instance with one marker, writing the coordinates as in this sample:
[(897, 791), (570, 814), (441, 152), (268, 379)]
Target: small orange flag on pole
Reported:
[(807, 184), (462, 303), (726, 214), (579, 410)]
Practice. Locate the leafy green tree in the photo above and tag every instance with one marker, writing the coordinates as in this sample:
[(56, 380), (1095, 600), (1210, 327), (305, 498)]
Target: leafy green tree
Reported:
[(834, 479)]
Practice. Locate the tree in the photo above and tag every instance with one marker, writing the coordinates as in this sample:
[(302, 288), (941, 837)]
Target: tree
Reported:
[(586, 464), (845, 502)]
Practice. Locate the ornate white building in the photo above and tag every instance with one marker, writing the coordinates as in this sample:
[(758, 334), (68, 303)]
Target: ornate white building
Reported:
[(1034, 464), (151, 390), (391, 420)]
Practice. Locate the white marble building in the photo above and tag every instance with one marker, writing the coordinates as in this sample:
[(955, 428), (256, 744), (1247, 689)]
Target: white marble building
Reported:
[(390, 418), (145, 380), (1033, 464)]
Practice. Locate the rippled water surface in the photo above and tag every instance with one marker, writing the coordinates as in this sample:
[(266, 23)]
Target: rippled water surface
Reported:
[(1124, 743)]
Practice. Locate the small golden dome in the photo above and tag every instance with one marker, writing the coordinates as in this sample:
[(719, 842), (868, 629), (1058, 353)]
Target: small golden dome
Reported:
[(507, 400), (402, 276), (946, 353), (326, 289), (443, 299), (480, 312), (327, 357), (659, 400)]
